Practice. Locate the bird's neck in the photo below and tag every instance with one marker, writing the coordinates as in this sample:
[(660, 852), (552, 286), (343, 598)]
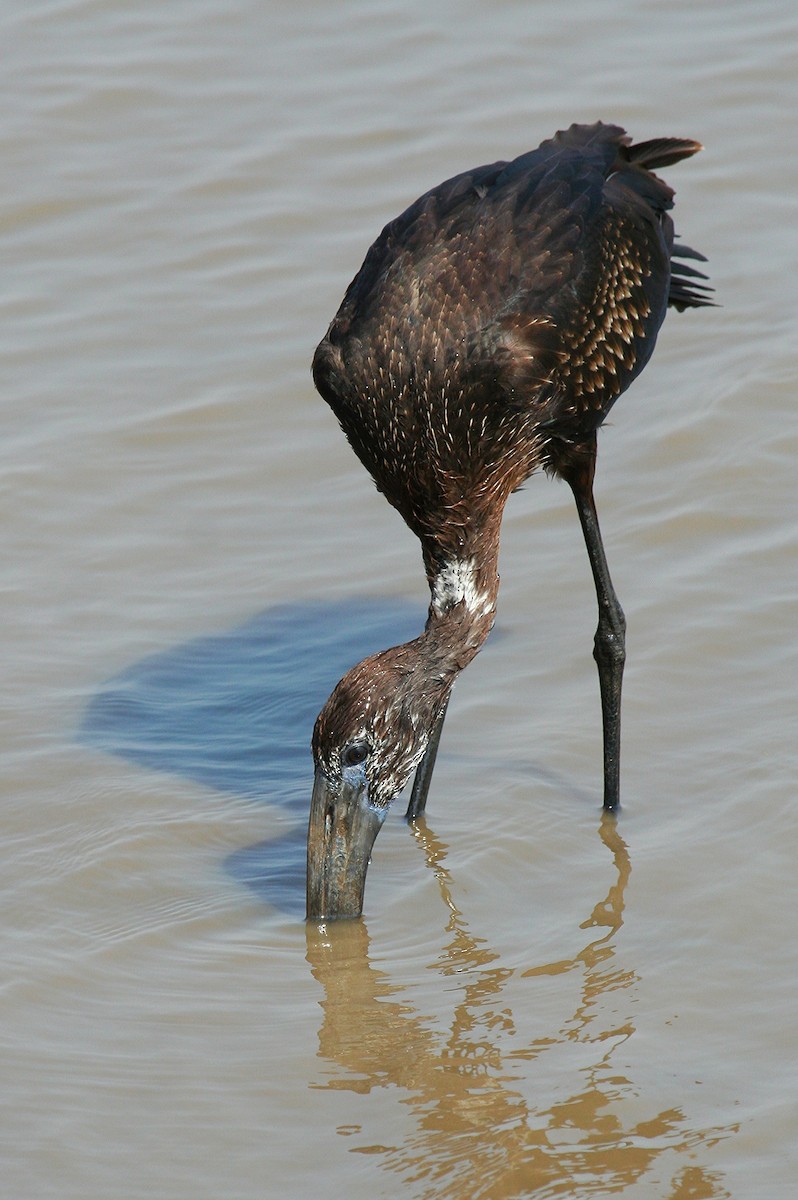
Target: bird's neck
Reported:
[(464, 587)]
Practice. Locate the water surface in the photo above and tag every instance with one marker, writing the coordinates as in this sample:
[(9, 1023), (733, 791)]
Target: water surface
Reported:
[(539, 1001)]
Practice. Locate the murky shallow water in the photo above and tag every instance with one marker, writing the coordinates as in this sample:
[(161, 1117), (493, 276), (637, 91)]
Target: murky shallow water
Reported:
[(539, 1001)]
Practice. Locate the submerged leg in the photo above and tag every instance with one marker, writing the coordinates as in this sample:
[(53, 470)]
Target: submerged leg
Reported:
[(609, 648), (418, 796)]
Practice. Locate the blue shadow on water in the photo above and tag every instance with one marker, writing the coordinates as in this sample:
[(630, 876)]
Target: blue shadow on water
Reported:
[(235, 711)]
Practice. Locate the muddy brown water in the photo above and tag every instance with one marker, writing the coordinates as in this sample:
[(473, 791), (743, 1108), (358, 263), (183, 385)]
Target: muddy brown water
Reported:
[(539, 1001)]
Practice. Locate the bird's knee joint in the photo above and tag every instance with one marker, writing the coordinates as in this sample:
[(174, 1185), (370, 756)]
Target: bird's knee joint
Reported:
[(609, 645)]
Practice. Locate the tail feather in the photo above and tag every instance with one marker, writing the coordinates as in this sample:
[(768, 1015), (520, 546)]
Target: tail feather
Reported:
[(685, 291), (687, 252), (661, 152), (683, 269)]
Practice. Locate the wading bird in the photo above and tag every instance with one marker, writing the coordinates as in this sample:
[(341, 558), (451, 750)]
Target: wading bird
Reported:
[(488, 333)]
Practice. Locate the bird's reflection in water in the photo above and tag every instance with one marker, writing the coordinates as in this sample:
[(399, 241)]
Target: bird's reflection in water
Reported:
[(477, 1133)]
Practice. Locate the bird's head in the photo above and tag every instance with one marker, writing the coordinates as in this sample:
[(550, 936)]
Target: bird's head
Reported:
[(368, 740)]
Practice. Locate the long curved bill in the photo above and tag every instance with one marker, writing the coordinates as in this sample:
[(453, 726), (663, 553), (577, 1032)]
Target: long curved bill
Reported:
[(341, 833)]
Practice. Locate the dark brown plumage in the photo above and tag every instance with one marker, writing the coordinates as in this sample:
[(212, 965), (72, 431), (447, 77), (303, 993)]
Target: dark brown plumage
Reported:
[(488, 333)]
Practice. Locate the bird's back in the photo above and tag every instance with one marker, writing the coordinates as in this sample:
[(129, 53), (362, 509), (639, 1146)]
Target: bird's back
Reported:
[(501, 315)]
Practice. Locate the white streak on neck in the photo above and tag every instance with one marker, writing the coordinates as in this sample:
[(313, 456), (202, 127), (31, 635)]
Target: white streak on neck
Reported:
[(456, 582)]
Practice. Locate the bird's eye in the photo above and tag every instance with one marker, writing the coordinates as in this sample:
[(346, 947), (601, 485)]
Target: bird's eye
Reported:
[(354, 754)]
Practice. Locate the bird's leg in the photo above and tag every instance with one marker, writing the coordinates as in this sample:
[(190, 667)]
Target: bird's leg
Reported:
[(418, 796), (610, 643)]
